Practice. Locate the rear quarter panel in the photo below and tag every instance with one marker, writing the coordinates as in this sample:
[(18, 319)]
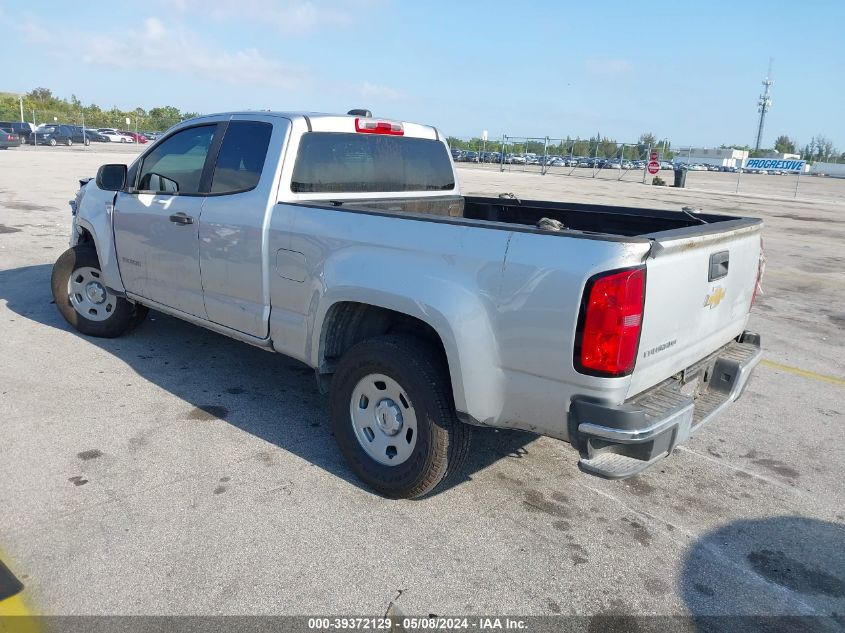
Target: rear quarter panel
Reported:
[(504, 303)]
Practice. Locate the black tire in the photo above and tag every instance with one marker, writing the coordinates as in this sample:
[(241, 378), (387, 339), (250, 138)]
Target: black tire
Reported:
[(87, 142), (442, 440), (125, 316), (69, 141), (52, 142)]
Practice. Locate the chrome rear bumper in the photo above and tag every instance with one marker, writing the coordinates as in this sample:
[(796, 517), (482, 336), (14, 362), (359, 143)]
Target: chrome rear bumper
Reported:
[(616, 442)]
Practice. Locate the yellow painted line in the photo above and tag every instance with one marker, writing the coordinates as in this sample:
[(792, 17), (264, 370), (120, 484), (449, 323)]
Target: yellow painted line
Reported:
[(803, 372), (13, 606)]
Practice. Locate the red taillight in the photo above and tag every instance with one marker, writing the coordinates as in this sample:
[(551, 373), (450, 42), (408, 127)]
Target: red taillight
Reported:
[(373, 126), (610, 323), (761, 267)]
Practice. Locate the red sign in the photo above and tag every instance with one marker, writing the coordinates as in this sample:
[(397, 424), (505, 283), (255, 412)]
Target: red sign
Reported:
[(653, 167), (653, 156)]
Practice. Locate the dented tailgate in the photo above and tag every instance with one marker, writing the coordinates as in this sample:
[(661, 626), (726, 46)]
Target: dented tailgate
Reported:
[(699, 285)]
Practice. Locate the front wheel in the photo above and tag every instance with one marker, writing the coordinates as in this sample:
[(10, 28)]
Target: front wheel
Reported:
[(52, 142), (393, 416), (84, 300), (69, 141)]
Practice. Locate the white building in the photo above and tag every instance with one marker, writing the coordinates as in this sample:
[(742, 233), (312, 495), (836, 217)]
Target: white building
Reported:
[(711, 156), (836, 170), (781, 156)]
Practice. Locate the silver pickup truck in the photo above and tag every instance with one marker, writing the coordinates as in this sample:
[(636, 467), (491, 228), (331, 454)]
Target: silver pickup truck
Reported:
[(343, 241)]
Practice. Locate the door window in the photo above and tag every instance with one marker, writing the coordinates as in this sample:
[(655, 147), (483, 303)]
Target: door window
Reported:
[(241, 157), (176, 165)]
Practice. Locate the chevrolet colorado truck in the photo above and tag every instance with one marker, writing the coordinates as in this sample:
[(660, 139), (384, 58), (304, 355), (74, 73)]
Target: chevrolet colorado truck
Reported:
[(343, 241)]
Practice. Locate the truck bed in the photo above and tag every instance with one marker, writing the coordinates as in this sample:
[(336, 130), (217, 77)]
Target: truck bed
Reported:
[(599, 219)]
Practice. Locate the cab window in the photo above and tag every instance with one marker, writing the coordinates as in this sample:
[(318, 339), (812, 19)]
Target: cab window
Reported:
[(176, 165), (241, 157)]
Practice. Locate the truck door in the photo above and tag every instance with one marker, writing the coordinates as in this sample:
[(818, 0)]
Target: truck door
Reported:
[(233, 230), (156, 222)]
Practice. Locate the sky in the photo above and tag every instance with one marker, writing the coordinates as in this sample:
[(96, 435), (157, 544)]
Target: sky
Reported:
[(687, 71)]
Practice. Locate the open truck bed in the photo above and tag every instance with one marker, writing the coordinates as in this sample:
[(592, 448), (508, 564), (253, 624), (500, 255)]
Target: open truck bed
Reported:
[(595, 220)]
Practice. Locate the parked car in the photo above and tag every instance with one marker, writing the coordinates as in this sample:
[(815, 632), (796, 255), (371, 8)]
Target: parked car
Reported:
[(114, 136), (95, 137), (138, 138), (9, 138), (21, 128), (58, 134), (594, 333), (456, 154), (470, 157)]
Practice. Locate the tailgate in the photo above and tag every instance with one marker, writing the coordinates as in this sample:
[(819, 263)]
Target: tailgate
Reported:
[(699, 284)]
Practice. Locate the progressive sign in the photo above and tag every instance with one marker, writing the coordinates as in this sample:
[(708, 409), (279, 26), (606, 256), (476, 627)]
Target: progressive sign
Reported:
[(770, 163)]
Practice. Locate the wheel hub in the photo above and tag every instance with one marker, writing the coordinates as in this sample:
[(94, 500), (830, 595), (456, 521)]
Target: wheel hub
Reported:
[(383, 419), (388, 417), (95, 292), (88, 294)]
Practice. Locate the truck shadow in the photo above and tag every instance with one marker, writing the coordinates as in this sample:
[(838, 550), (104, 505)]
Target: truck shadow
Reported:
[(784, 573), (267, 395)]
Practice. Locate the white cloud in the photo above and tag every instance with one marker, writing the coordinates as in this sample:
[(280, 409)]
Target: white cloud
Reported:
[(377, 91), (159, 47), (292, 17), (607, 66), (32, 31)]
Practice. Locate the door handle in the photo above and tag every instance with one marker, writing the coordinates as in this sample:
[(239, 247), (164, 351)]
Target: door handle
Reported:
[(181, 218)]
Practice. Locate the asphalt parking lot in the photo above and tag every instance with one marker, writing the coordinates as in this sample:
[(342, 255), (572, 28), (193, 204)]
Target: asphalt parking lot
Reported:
[(174, 471)]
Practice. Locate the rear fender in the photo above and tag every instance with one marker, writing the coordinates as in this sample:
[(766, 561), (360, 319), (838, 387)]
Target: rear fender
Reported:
[(456, 313)]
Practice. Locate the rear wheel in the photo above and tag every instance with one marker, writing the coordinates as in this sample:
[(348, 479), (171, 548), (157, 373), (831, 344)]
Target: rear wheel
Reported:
[(84, 300), (87, 142), (394, 418), (69, 141)]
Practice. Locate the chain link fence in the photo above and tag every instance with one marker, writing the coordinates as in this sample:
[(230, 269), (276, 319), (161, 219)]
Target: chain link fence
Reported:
[(603, 159)]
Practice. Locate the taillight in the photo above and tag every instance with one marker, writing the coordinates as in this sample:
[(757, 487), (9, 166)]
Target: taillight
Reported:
[(761, 267), (373, 126), (610, 323)]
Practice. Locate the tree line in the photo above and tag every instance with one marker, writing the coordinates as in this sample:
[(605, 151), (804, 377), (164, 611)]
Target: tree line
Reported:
[(42, 106), (599, 146)]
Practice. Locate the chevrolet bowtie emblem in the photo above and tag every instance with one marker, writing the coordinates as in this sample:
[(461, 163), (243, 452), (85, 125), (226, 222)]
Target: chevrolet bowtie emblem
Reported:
[(714, 298)]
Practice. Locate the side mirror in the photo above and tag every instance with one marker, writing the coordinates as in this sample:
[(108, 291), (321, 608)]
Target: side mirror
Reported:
[(111, 177)]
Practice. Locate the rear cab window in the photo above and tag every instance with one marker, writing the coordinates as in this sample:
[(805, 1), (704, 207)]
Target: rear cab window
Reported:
[(241, 158), (340, 162)]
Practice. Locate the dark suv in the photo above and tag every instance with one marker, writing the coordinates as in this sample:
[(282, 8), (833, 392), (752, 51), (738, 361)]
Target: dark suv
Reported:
[(59, 135), (21, 128)]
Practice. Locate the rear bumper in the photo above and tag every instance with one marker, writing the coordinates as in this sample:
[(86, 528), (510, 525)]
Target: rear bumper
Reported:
[(616, 442)]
